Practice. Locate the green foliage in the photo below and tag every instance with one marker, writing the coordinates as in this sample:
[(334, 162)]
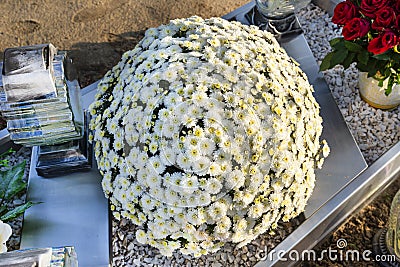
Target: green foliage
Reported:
[(16, 212), (381, 67), (3, 161), (11, 184), (326, 62)]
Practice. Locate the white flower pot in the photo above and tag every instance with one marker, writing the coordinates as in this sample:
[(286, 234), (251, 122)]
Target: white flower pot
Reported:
[(375, 96)]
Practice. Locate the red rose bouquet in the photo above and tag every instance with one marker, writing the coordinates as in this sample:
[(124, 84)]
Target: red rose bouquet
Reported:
[(371, 35)]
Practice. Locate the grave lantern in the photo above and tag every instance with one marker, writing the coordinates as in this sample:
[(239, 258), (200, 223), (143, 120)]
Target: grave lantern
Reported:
[(280, 9), (393, 232), (277, 17), (386, 243)]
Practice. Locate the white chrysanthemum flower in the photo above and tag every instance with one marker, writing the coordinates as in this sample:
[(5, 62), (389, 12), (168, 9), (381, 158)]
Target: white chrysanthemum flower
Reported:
[(141, 237), (201, 165), (142, 160), (325, 149), (193, 153), (206, 146), (215, 169), (256, 210), (118, 144), (153, 147), (235, 179), (170, 75), (206, 133), (184, 161), (223, 225), (147, 202), (168, 156), (204, 199), (189, 184), (194, 217), (213, 186), (121, 182), (217, 210)]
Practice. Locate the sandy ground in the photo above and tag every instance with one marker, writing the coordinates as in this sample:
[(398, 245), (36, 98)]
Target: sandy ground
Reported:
[(96, 31)]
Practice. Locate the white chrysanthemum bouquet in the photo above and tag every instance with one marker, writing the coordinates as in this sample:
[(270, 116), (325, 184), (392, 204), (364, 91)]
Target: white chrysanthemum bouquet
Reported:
[(206, 133)]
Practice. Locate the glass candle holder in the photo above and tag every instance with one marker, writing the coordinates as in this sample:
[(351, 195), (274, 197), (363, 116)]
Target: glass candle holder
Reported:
[(280, 9)]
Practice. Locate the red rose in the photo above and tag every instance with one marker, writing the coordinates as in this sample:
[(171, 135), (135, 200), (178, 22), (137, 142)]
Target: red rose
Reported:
[(397, 6), (383, 42), (344, 12), (355, 28), (370, 7), (397, 23), (384, 18)]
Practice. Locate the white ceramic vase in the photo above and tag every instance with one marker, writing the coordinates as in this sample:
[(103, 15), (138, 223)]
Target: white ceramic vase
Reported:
[(375, 96)]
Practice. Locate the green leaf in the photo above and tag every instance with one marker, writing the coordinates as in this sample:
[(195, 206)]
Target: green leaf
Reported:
[(384, 56), (353, 47), (3, 209), (362, 67), (389, 88), (326, 62), (363, 57), (11, 182), (16, 212), (348, 60), (4, 162), (336, 41), (338, 57), (372, 67), (397, 79), (387, 72), (380, 66)]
